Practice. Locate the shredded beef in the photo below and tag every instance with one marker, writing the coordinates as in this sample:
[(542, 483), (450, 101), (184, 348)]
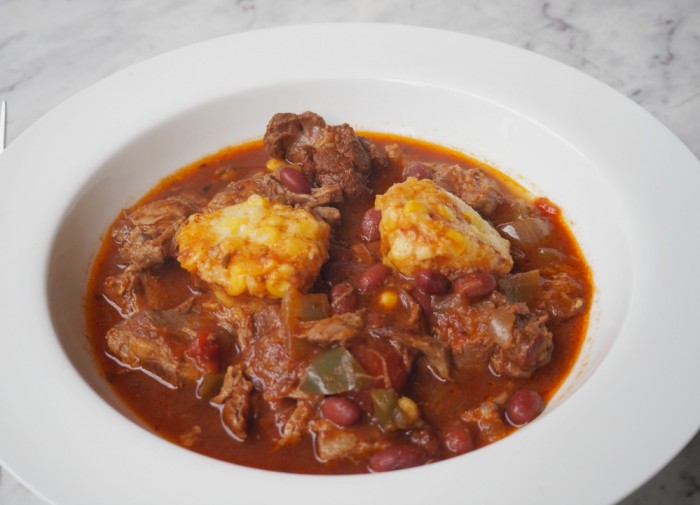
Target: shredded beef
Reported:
[(155, 341), (146, 235), (354, 443), (562, 295), (486, 421), (437, 353), (297, 423), (235, 400), (334, 329), (271, 188), (266, 357)]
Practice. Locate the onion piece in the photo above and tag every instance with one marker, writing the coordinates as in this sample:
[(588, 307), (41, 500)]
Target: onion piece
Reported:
[(501, 327), (298, 307), (522, 287), (445, 303), (528, 232)]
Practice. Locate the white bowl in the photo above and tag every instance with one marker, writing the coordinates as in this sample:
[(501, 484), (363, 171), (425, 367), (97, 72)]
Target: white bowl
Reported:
[(623, 181)]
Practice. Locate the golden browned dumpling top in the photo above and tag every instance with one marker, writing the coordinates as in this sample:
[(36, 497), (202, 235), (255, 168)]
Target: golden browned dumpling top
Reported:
[(423, 226), (256, 247)]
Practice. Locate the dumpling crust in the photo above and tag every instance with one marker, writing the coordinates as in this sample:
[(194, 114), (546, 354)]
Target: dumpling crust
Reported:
[(425, 227), (256, 247)]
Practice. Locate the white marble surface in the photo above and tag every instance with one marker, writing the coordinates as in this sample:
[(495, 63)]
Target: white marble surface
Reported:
[(648, 50)]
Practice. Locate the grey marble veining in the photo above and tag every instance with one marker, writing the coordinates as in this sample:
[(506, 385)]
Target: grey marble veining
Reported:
[(649, 50)]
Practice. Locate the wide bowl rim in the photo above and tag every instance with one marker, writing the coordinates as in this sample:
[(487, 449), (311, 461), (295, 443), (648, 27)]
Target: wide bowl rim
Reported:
[(624, 123)]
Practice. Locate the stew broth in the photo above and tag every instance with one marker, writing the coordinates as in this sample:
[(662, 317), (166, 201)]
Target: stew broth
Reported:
[(186, 416)]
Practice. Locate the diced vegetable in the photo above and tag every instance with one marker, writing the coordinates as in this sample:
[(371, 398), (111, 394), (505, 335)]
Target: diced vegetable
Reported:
[(297, 307), (209, 385), (522, 287), (448, 302), (304, 307), (314, 306), (501, 326), (204, 350), (528, 232), (548, 255), (392, 412), (335, 371)]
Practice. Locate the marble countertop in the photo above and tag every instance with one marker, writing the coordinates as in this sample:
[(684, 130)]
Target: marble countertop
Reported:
[(648, 50)]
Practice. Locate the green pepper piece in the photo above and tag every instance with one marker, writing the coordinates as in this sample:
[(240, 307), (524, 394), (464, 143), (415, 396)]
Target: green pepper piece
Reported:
[(392, 412), (335, 371), (384, 403)]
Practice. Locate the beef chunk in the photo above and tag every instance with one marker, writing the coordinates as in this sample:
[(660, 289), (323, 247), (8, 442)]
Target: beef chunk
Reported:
[(157, 341), (436, 352), (530, 348), (289, 135), (354, 443), (235, 400), (333, 329), (123, 291), (239, 191), (330, 215), (470, 184), (464, 328), (469, 331), (562, 295), (146, 235), (271, 188), (486, 421), (266, 357), (236, 316), (297, 423), (130, 291), (326, 154)]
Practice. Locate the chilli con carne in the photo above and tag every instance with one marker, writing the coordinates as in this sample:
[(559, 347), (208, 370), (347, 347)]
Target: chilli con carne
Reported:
[(325, 302)]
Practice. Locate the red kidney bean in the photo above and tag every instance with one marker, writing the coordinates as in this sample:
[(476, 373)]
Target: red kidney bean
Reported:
[(418, 170), (475, 284), (524, 406), (294, 180), (369, 228), (372, 277), (397, 457), (384, 363), (343, 298), (340, 410), (458, 439), (432, 282)]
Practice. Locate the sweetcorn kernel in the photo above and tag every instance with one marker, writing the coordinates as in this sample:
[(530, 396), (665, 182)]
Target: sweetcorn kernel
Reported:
[(415, 206), (388, 299), (273, 164), (445, 212)]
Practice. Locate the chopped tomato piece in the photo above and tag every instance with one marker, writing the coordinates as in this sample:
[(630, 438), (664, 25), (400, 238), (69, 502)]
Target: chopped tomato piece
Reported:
[(204, 350)]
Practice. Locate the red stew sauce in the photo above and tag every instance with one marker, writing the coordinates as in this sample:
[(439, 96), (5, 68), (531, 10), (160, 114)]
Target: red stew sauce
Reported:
[(422, 379)]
